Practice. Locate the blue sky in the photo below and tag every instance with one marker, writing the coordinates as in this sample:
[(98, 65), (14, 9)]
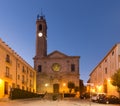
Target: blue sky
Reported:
[(85, 28)]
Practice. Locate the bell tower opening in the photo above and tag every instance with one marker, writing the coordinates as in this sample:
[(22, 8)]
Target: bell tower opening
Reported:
[(40, 27)]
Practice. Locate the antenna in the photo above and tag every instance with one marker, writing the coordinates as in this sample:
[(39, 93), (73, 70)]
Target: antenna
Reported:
[(42, 16)]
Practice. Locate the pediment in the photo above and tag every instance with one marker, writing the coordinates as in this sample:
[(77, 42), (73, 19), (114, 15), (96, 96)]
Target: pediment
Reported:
[(57, 54)]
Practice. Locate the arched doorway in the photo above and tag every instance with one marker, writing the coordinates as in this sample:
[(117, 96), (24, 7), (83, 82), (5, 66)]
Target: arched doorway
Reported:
[(55, 88)]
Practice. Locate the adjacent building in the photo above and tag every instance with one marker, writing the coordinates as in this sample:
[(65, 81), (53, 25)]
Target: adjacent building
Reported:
[(15, 72), (56, 69), (100, 77)]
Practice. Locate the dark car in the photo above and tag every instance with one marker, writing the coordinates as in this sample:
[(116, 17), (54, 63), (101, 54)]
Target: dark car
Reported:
[(85, 96), (111, 99)]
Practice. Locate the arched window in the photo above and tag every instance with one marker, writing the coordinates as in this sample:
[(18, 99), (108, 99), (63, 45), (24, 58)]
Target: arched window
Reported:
[(72, 67), (39, 68), (7, 58), (40, 27)]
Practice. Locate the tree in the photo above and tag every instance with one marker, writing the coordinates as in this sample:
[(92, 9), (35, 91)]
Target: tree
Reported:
[(71, 86), (76, 88), (82, 87), (116, 80)]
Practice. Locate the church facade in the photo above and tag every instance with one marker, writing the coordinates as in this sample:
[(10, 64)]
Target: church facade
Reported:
[(54, 70)]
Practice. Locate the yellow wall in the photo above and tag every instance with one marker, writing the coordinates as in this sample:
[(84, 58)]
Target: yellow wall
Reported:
[(12, 71), (1, 88)]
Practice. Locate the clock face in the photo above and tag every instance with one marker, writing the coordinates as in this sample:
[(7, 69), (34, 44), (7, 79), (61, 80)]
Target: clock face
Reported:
[(56, 67), (40, 34)]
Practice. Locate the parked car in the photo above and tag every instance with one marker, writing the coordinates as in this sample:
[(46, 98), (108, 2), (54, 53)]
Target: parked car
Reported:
[(96, 96), (85, 96), (111, 99)]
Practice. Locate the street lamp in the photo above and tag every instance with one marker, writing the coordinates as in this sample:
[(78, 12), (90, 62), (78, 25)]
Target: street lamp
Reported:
[(1, 81), (64, 84), (99, 88), (109, 80), (1, 87), (46, 85)]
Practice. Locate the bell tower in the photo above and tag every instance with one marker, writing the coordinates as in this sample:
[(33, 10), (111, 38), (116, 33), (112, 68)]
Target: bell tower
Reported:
[(41, 39), (41, 35)]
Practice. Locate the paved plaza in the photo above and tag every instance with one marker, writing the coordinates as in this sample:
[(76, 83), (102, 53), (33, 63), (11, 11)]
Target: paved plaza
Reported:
[(38, 102)]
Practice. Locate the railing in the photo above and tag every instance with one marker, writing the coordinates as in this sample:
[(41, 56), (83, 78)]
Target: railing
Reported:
[(8, 75)]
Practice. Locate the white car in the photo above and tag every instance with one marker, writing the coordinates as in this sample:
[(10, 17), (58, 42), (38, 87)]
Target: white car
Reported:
[(95, 97)]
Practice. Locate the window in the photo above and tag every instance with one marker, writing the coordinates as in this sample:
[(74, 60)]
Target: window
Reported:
[(30, 83), (7, 58), (39, 68), (6, 88), (13, 85), (27, 80), (106, 70), (105, 60), (23, 88), (40, 27), (23, 79), (18, 65), (72, 67), (27, 71), (31, 74), (23, 69), (18, 77), (18, 86), (7, 73), (112, 53)]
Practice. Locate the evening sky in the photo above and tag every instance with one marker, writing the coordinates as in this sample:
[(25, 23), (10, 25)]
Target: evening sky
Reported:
[(85, 28)]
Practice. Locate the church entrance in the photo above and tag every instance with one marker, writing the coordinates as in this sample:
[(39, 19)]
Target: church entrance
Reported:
[(55, 88)]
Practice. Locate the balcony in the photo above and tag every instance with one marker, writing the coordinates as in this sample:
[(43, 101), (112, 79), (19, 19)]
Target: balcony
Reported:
[(8, 61), (7, 75), (24, 71), (23, 82)]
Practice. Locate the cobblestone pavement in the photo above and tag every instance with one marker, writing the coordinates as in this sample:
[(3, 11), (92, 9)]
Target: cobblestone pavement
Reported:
[(38, 102)]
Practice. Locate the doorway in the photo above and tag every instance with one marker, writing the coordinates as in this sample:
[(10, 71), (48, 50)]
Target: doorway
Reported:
[(6, 88), (55, 88)]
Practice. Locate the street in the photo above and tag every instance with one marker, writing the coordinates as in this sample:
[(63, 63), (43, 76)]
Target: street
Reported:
[(38, 102)]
